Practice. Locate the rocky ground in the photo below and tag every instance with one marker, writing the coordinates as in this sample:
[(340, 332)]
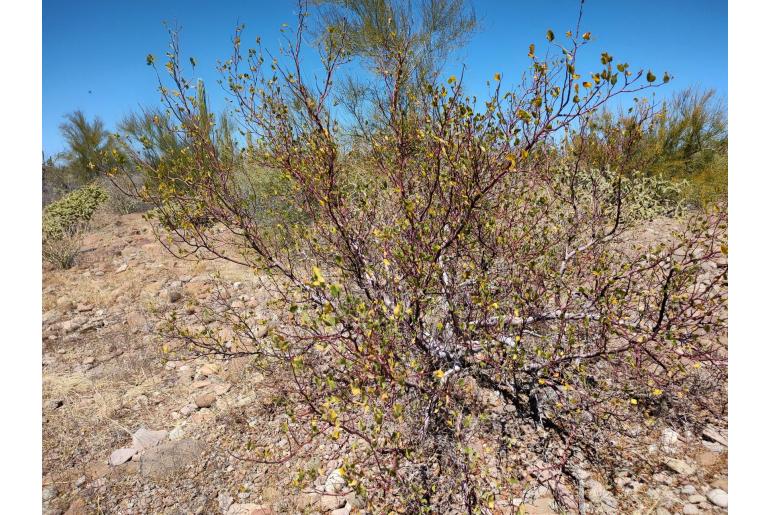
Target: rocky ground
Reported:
[(126, 429)]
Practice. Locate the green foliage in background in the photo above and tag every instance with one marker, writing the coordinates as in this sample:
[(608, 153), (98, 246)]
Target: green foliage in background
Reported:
[(644, 196), (684, 140), (68, 214), (88, 146)]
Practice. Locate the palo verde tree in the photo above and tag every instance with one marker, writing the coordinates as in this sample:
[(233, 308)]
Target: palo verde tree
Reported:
[(461, 305), (88, 145)]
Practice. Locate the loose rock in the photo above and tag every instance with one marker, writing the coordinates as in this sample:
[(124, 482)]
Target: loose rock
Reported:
[(711, 434), (206, 400), (334, 483), (690, 509), (121, 456), (49, 493), (166, 458), (717, 497), (679, 466), (144, 438)]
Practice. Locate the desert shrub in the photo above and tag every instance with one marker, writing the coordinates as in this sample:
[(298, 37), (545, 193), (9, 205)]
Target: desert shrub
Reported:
[(68, 214), (119, 197), (644, 197), (62, 250), (684, 140), (465, 305), (64, 222)]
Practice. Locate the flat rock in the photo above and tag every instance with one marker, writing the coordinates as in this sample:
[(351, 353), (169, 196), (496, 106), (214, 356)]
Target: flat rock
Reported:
[(222, 388), (679, 466), (712, 434), (161, 461), (120, 456), (145, 438), (690, 509), (209, 369), (200, 384), (717, 497)]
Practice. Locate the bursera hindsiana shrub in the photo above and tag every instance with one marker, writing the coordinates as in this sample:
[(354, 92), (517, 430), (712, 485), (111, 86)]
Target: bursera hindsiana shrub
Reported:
[(464, 305)]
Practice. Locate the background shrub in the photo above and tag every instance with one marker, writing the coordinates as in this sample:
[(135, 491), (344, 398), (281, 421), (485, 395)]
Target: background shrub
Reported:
[(65, 221)]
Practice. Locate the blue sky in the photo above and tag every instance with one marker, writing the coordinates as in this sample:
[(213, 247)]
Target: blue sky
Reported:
[(94, 50)]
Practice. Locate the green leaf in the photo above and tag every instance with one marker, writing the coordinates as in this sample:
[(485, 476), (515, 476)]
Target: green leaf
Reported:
[(150, 59)]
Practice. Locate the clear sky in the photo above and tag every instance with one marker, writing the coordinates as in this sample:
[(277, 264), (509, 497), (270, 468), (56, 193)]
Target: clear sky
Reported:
[(94, 50)]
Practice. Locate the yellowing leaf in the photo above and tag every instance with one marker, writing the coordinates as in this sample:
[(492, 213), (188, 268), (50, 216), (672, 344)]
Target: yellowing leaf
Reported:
[(318, 279), (451, 79), (634, 402), (497, 76), (438, 374)]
